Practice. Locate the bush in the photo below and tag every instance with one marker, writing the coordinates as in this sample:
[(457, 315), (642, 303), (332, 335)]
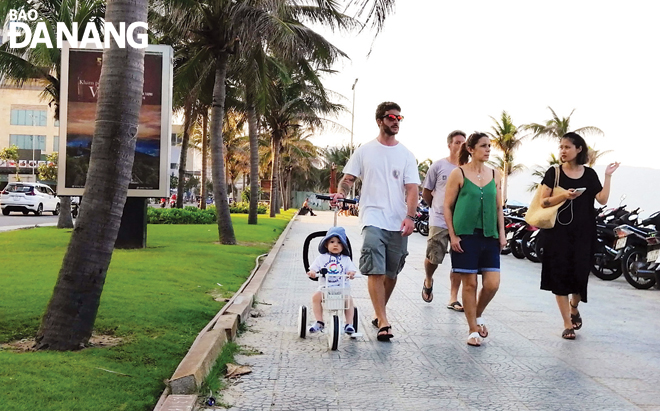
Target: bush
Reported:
[(193, 215), (188, 215), (244, 208)]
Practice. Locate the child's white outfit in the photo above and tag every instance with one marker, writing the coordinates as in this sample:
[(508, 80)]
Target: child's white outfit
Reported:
[(335, 264)]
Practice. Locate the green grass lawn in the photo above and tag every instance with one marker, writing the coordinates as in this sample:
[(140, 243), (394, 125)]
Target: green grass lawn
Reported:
[(156, 299)]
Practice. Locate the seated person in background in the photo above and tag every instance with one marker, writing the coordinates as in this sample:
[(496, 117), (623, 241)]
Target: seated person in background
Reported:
[(306, 208)]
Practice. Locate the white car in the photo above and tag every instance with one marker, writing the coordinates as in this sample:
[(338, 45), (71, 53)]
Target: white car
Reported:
[(26, 197)]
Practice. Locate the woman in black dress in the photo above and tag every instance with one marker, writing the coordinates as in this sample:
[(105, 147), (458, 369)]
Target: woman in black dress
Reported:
[(568, 247)]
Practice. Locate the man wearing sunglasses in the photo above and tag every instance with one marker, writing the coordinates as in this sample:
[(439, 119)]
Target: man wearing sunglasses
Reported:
[(388, 204)]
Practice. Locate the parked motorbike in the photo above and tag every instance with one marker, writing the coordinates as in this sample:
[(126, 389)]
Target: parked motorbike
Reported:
[(641, 252), (529, 244), (514, 231), (607, 259), (422, 220), (75, 209)]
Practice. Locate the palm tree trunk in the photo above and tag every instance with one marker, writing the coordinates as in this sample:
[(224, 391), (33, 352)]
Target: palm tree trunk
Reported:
[(274, 186), (71, 312), (183, 158), (254, 155), (505, 182), (205, 149), (228, 181), (225, 227), (287, 197), (64, 220)]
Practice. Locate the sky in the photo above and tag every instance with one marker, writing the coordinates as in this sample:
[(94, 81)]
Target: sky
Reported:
[(451, 65)]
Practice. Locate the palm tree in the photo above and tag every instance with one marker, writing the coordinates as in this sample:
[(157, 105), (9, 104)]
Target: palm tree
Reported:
[(556, 127), (423, 168), (41, 65), (505, 137), (298, 155), (284, 41), (539, 171), (505, 164), (593, 155), (338, 155), (236, 147), (294, 102), (214, 30), (71, 312)]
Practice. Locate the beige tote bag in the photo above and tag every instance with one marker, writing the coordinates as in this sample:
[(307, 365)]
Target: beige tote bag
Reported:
[(544, 217)]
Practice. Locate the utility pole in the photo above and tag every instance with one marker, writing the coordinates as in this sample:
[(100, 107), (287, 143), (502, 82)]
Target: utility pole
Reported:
[(352, 122)]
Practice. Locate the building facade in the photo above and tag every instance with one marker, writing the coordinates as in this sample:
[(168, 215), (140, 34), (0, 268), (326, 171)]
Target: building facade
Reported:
[(28, 122)]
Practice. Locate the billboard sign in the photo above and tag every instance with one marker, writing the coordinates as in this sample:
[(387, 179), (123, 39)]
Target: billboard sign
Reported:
[(81, 71)]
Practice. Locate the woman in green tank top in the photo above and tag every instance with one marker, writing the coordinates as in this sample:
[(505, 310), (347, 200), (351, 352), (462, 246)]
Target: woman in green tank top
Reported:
[(473, 212)]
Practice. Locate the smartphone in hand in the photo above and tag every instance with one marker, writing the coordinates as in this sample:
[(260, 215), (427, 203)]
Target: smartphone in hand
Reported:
[(580, 190)]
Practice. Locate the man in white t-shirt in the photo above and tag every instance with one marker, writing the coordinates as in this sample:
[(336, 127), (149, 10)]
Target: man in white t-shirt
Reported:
[(388, 203), (438, 241)]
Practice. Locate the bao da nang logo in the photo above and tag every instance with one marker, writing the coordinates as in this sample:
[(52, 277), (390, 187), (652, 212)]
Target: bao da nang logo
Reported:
[(21, 35)]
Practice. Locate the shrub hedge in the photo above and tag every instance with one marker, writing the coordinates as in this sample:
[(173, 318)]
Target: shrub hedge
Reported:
[(194, 215)]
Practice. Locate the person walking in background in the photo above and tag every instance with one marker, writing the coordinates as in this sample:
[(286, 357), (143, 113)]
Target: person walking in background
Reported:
[(388, 203), (475, 221), (568, 247), (438, 242)]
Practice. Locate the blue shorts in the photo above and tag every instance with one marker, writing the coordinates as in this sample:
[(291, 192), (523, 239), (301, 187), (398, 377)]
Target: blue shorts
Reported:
[(480, 254)]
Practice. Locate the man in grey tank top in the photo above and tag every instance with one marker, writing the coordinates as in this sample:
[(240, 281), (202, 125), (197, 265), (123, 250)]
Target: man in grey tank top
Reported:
[(438, 243)]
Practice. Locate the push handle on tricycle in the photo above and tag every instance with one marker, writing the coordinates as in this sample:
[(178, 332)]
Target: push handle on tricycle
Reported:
[(328, 198)]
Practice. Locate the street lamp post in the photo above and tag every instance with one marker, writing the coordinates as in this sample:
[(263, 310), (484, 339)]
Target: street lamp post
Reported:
[(352, 121)]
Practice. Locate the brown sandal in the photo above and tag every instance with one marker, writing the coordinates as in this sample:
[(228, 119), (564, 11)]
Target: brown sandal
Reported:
[(568, 334), (576, 320)]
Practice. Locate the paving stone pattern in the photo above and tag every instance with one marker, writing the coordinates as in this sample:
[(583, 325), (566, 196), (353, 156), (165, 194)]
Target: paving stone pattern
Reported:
[(614, 364)]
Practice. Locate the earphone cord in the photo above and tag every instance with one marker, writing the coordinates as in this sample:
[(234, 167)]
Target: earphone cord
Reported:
[(565, 208)]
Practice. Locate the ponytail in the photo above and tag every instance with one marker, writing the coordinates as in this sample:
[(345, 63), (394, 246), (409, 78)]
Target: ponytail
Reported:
[(463, 155)]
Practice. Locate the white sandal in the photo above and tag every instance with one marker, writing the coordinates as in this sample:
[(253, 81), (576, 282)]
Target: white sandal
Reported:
[(477, 338), (483, 332)]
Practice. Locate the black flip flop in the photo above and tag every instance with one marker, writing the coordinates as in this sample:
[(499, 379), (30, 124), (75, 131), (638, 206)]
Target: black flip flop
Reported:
[(456, 306), (568, 334), (428, 291), (384, 337), (374, 322)]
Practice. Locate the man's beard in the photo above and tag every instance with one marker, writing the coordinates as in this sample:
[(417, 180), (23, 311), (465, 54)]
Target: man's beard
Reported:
[(388, 130)]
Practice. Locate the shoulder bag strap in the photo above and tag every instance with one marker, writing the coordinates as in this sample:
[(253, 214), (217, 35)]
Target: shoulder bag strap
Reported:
[(557, 172)]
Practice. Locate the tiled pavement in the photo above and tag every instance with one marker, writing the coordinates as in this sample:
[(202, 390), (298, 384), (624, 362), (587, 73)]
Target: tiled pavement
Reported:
[(614, 364)]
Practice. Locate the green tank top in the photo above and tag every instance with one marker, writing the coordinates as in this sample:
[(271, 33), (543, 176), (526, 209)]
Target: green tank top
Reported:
[(476, 208)]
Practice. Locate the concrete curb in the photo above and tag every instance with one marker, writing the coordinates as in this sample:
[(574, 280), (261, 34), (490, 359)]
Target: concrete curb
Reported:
[(196, 365), (26, 226)]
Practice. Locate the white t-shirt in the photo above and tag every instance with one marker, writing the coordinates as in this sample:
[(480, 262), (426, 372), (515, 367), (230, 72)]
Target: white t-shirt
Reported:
[(384, 170), (335, 264), (436, 181)]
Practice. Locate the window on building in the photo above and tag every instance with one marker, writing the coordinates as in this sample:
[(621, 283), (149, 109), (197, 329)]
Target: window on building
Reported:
[(56, 143), (174, 165), (28, 117), (176, 139), (57, 123), (28, 142)]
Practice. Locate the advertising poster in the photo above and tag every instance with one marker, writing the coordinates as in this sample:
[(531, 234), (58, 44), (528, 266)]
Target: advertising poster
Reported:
[(149, 177)]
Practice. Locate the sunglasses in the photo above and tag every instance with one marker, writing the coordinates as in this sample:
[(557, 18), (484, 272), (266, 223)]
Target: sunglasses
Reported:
[(393, 117)]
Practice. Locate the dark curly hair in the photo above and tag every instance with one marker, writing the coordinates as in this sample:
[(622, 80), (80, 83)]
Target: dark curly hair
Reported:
[(383, 107)]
